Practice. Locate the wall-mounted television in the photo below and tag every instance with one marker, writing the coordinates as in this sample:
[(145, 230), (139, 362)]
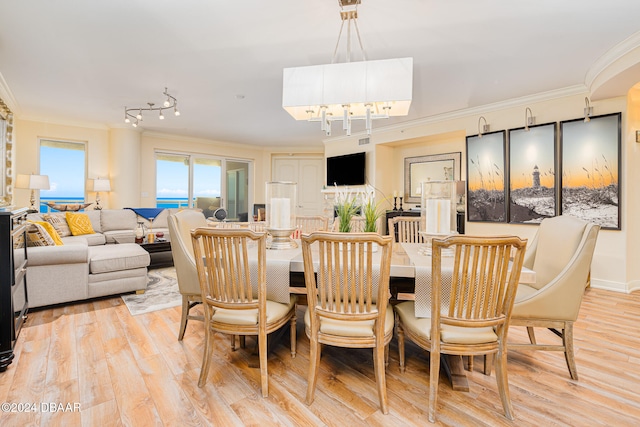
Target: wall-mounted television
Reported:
[(346, 170)]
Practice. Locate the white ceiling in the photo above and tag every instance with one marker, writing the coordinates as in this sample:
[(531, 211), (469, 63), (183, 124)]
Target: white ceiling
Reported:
[(84, 61)]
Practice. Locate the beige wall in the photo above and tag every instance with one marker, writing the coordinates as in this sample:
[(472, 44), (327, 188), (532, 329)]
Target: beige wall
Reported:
[(614, 264)]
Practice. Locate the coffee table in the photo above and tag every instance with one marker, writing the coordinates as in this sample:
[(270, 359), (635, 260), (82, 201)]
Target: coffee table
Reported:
[(160, 253)]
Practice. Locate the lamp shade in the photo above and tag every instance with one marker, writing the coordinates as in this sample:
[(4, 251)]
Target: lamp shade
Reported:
[(33, 182), (387, 82), (101, 185)]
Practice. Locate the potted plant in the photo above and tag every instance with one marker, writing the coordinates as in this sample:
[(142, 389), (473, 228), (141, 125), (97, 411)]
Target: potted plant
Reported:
[(370, 210), (346, 208)]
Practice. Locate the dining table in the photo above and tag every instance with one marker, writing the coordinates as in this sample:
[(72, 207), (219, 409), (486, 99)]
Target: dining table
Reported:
[(410, 265)]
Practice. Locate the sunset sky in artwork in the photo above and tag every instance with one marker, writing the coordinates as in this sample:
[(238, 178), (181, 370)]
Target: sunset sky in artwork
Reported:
[(590, 152), (486, 162), (529, 149)]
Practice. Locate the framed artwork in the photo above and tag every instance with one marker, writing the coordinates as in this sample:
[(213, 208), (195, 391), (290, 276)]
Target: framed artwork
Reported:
[(532, 174), (486, 177), (437, 167), (590, 169)]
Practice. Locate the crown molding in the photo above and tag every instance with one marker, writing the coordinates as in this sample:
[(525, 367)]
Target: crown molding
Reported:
[(63, 122), (612, 55), (7, 96), (579, 89)]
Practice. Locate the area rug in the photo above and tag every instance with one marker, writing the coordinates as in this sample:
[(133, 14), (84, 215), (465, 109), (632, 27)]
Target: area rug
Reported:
[(162, 292)]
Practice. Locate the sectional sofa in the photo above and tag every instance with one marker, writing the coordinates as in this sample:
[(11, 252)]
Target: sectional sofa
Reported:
[(105, 262)]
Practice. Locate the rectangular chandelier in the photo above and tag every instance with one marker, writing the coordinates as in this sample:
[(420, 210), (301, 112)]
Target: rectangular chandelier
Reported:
[(364, 90)]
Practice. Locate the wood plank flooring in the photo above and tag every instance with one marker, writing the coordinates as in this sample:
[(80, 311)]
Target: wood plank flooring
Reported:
[(132, 371)]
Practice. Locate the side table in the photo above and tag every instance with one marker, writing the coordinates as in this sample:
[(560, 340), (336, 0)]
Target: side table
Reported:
[(160, 253)]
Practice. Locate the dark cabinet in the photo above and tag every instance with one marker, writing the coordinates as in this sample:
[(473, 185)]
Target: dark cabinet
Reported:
[(13, 281)]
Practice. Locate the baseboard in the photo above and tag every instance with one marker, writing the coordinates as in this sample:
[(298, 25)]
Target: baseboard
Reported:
[(615, 286)]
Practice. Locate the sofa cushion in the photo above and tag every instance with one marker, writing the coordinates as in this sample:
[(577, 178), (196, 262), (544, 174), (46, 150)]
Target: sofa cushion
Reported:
[(59, 222), (126, 256), (86, 239), (117, 219), (79, 224), (38, 236), (120, 236)]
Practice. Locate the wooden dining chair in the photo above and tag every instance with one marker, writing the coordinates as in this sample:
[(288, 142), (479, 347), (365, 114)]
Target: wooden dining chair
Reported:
[(405, 229), (309, 224), (347, 302), (231, 306), (471, 301)]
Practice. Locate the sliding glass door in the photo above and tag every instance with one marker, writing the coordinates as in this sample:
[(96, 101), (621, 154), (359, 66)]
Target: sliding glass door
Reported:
[(203, 182)]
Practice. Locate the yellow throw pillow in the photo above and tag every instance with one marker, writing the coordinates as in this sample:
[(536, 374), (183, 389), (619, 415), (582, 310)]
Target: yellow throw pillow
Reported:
[(51, 230), (79, 224)]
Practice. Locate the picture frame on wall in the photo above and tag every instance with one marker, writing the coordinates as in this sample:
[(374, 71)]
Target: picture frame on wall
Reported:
[(435, 167), (590, 169), (486, 180), (533, 184)]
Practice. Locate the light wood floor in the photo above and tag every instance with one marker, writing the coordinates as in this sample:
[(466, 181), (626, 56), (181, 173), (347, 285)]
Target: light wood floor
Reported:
[(126, 370)]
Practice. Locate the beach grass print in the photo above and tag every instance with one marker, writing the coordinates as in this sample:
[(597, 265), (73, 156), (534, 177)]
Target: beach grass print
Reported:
[(486, 178), (591, 169), (532, 178)]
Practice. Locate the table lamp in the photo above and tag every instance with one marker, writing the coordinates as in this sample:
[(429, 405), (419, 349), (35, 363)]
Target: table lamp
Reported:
[(33, 182), (100, 184)]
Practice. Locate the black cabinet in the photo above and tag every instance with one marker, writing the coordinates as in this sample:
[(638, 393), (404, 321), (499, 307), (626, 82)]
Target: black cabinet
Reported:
[(391, 214), (13, 281)]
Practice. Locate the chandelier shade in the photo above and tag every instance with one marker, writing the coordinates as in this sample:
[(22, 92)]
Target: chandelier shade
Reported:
[(384, 86)]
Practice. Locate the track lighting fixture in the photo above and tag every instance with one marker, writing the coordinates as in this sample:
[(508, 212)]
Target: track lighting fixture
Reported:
[(170, 103)]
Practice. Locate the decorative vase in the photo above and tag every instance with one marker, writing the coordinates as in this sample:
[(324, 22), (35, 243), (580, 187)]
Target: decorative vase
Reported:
[(280, 214)]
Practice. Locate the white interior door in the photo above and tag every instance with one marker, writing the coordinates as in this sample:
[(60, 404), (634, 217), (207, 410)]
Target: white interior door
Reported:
[(308, 172)]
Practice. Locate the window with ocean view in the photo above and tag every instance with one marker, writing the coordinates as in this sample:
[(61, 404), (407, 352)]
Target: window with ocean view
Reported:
[(64, 163), (188, 180)]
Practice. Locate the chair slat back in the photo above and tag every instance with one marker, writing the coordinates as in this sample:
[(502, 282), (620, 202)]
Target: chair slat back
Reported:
[(224, 270), (309, 224), (483, 280), (406, 228), (349, 282)]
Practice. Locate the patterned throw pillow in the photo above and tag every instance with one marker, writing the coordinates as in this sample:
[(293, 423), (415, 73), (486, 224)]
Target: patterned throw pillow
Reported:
[(59, 222), (38, 236), (50, 230), (79, 224)]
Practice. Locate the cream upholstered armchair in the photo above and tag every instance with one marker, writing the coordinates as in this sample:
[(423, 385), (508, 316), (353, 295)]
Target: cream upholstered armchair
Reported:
[(180, 226), (560, 254)]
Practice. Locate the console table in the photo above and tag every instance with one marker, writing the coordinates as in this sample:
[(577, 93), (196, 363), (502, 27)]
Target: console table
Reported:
[(14, 303)]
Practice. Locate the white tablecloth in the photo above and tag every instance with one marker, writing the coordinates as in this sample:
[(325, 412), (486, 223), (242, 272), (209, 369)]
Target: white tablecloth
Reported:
[(277, 266)]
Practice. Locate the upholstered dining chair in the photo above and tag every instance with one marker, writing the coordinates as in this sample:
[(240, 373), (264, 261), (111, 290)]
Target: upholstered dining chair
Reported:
[(309, 224), (561, 255), (405, 229), (471, 297), (347, 301), (227, 275), (180, 226)]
